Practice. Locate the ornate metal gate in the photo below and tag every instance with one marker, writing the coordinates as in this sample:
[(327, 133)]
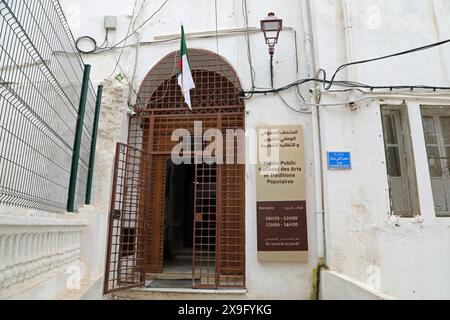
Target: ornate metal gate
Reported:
[(219, 223), (128, 228)]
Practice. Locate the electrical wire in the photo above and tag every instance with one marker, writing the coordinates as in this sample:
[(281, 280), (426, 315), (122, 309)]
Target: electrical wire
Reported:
[(337, 104), (167, 87), (294, 84), (132, 22), (390, 93), (96, 47), (292, 108), (77, 44), (328, 84), (128, 32), (217, 25), (176, 38), (136, 54), (297, 65), (129, 35), (347, 84), (343, 103), (131, 86), (105, 42), (250, 58), (249, 49), (344, 66)]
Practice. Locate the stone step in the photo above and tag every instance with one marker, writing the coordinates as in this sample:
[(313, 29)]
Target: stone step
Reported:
[(183, 252), (169, 276), (183, 257)]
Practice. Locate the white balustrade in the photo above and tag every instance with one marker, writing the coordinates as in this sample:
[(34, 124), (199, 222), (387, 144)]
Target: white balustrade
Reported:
[(35, 250)]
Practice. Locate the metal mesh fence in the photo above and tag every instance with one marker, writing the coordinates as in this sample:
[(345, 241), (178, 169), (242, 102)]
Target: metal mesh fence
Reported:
[(41, 76)]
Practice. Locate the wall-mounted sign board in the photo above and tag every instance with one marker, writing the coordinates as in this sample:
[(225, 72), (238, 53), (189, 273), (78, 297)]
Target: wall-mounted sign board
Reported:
[(281, 200), (339, 161)]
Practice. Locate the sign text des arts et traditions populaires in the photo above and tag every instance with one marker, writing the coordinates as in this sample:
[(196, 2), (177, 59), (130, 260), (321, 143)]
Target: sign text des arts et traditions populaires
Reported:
[(281, 200)]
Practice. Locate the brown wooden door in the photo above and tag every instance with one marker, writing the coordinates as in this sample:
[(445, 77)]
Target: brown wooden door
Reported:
[(157, 204)]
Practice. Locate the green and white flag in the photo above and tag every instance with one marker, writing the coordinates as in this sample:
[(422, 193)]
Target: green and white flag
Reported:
[(185, 80)]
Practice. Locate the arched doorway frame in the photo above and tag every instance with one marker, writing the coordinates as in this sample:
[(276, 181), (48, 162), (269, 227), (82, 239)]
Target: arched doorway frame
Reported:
[(219, 223)]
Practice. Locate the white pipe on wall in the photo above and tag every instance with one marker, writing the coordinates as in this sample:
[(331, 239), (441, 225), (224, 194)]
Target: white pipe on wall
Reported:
[(309, 60), (317, 145), (318, 174), (348, 26)]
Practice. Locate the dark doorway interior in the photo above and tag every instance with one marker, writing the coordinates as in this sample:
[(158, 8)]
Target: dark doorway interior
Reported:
[(179, 219)]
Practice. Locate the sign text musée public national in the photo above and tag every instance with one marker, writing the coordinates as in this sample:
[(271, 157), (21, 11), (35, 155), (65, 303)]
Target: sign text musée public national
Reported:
[(281, 200)]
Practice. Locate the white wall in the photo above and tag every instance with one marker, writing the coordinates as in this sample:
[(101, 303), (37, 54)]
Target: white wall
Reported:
[(381, 27), (335, 286), (197, 16), (292, 280), (404, 258), (407, 256)]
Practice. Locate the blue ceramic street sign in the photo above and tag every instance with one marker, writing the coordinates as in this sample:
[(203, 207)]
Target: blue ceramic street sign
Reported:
[(339, 160)]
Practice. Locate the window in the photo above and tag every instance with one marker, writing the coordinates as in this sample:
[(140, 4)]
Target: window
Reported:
[(400, 161), (436, 124)]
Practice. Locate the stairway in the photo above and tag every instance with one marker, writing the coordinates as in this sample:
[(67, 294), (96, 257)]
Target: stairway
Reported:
[(183, 255), (180, 268)]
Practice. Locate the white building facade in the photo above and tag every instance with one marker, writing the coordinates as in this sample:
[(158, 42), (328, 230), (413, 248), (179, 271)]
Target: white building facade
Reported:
[(378, 227)]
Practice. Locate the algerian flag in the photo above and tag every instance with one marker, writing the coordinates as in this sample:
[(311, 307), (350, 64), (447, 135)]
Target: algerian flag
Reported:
[(185, 80)]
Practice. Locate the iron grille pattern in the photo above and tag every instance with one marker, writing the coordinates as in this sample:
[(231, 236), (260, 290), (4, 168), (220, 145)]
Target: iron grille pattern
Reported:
[(41, 75), (205, 227), (127, 225), (219, 226), (217, 85), (231, 204)]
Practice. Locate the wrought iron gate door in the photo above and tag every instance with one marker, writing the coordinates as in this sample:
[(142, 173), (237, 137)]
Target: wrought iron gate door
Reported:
[(219, 219), (128, 225), (205, 227)]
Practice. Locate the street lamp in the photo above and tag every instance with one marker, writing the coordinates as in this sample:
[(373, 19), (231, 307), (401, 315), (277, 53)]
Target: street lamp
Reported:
[(271, 27)]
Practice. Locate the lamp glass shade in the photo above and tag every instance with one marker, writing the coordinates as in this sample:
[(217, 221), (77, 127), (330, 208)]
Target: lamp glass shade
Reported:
[(271, 26)]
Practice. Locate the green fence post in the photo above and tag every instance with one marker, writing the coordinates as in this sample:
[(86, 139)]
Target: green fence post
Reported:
[(77, 142), (98, 106)]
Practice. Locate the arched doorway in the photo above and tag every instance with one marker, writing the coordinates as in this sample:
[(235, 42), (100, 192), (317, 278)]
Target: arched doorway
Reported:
[(199, 207)]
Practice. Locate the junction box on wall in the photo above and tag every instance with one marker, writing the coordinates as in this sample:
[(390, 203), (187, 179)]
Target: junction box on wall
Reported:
[(110, 23)]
